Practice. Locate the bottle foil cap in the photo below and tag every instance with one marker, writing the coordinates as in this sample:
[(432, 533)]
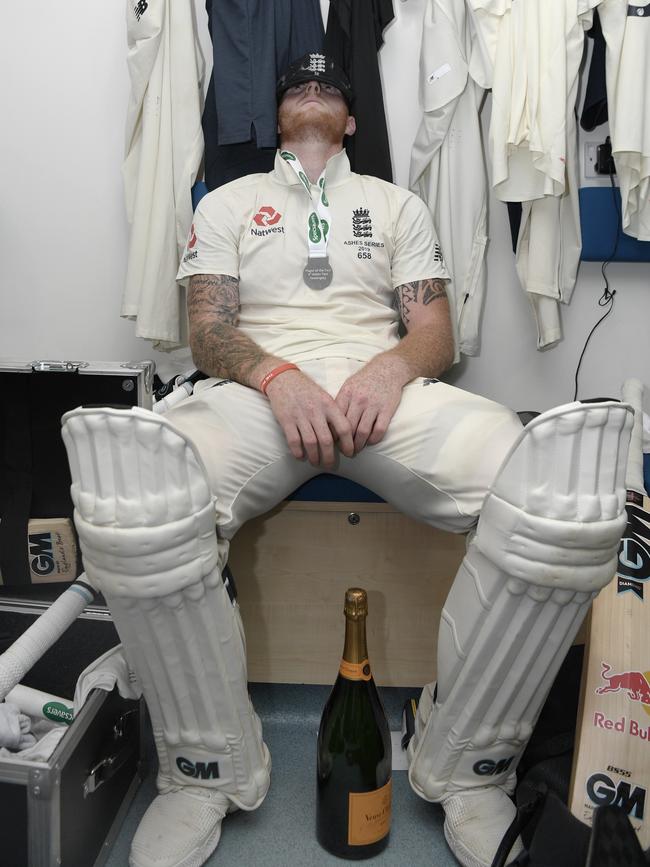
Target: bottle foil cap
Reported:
[(356, 603)]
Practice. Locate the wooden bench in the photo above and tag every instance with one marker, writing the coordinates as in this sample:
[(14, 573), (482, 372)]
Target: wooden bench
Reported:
[(293, 565)]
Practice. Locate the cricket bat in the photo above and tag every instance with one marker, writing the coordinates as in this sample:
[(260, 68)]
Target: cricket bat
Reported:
[(612, 754)]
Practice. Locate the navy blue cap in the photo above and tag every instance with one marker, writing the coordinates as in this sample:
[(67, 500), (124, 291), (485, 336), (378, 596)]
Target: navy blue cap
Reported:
[(315, 67)]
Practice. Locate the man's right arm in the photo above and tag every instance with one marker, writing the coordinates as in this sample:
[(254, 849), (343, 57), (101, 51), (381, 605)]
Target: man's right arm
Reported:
[(218, 347), (309, 417)]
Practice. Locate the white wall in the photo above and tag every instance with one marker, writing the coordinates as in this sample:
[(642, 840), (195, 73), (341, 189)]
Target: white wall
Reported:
[(64, 237)]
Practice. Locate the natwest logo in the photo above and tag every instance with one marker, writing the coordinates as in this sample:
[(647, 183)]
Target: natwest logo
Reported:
[(267, 216), (192, 240)]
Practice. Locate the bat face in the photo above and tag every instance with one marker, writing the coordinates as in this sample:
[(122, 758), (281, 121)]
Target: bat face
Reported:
[(612, 764)]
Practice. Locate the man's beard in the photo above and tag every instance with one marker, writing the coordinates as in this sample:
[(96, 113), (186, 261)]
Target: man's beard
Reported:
[(312, 127)]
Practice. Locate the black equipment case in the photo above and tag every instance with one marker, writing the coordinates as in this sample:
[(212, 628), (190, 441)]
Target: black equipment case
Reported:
[(34, 474), (68, 810)]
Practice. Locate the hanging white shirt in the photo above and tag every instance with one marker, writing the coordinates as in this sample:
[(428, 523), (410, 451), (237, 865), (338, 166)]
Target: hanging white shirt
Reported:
[(626, 28), (536, 48), (164, 148), (447, 163)]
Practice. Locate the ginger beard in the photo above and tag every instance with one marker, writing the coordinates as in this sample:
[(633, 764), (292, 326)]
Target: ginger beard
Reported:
[(303, 120)]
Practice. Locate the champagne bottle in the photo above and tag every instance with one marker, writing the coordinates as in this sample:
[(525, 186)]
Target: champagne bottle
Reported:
[(354, 751)]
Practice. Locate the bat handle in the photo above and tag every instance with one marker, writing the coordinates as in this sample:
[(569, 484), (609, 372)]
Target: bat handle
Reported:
[(633, 394), (28, 648)]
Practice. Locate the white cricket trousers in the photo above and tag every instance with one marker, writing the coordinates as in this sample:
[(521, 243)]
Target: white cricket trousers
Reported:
[(441, 452)]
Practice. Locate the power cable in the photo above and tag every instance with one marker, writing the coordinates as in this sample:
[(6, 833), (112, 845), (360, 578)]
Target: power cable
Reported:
[(607, 297)]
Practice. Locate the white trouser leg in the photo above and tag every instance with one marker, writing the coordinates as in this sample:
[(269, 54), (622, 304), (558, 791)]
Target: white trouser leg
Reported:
[(146, 522), (545, 545)]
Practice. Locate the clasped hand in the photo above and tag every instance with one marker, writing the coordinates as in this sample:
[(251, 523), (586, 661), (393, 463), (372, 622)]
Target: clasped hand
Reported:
[(315, 424)]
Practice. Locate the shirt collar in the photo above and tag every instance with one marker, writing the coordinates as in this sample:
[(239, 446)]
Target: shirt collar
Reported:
[(337, 170)]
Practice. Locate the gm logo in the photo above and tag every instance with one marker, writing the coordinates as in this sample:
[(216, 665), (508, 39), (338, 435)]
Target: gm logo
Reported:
[(490, 768), (602, 791), (198, 770), (40, 550)]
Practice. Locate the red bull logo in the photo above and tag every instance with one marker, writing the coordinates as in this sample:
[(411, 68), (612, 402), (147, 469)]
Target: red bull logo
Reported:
[(635, 683)]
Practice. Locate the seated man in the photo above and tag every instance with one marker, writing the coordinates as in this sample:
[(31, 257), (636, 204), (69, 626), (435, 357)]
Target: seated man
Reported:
[(298, 280)]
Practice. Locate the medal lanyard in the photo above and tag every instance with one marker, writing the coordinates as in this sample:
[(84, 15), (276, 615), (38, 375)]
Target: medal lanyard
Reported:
[(319, 222)]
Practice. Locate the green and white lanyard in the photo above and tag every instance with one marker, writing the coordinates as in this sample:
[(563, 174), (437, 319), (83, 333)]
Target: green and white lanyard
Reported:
[(318, 271)]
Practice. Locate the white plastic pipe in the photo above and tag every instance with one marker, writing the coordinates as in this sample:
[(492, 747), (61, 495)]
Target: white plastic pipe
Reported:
[(36, 703)]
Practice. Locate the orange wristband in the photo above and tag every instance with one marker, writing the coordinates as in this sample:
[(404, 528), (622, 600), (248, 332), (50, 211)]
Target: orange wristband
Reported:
[(270, 376)]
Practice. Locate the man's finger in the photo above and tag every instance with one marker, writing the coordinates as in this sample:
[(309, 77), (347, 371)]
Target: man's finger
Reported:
[(325, 443), (353, 414), (294, 441), (364, 429), (342, 430), (310, 444), (342, 400), (379, 428)]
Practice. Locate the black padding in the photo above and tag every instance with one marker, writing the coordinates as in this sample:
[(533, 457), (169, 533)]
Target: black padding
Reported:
[(526, 416), (613, 840)]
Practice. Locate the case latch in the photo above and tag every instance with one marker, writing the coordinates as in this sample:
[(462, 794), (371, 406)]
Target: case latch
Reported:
[(58, 366)]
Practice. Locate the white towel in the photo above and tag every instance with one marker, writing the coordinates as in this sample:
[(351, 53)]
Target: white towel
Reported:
[(109, 670), (15, 728)]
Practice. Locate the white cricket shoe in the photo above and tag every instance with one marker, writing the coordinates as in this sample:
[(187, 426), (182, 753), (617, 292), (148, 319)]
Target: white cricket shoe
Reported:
[(475, 822), (180, 829)]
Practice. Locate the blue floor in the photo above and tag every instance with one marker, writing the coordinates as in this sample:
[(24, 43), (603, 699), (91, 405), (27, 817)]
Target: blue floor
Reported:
[(282, 830)]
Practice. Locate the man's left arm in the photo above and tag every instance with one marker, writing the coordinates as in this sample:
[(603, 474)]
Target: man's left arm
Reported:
[(370, 397)]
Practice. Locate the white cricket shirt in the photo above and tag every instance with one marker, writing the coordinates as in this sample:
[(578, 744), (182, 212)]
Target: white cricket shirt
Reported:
[(536, 49), (164, 148), (626, 28), (254, 229), (447, 165)]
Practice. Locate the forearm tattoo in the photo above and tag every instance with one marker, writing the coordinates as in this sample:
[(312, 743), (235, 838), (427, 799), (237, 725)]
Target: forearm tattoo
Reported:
[(419, 292), (218, 347)]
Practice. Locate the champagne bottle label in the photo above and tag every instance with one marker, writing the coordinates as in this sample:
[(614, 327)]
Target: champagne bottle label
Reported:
[(369, 815), (355, 670)]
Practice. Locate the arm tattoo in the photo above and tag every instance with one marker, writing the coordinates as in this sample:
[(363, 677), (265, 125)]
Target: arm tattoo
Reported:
[(419, 292), (218, 347), (214, 295)]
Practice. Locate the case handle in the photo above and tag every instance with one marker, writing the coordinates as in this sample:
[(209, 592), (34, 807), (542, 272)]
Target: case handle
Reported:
[(107, 767)]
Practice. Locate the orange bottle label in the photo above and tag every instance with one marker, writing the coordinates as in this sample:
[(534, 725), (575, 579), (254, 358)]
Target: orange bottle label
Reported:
[(355, 670), (369, 815)]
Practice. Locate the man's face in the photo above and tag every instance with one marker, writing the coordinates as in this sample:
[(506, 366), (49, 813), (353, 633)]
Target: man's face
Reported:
[(314, 110)]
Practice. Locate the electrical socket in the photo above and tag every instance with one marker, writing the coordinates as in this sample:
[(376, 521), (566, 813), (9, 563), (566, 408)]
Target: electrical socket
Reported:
[(591, 157)]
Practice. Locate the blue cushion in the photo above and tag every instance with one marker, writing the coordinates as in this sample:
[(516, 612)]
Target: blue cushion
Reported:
[(599, 220), (199, 190), (329, 488)]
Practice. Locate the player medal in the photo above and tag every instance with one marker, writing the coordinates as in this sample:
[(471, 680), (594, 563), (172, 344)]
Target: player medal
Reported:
[(318, 272)]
